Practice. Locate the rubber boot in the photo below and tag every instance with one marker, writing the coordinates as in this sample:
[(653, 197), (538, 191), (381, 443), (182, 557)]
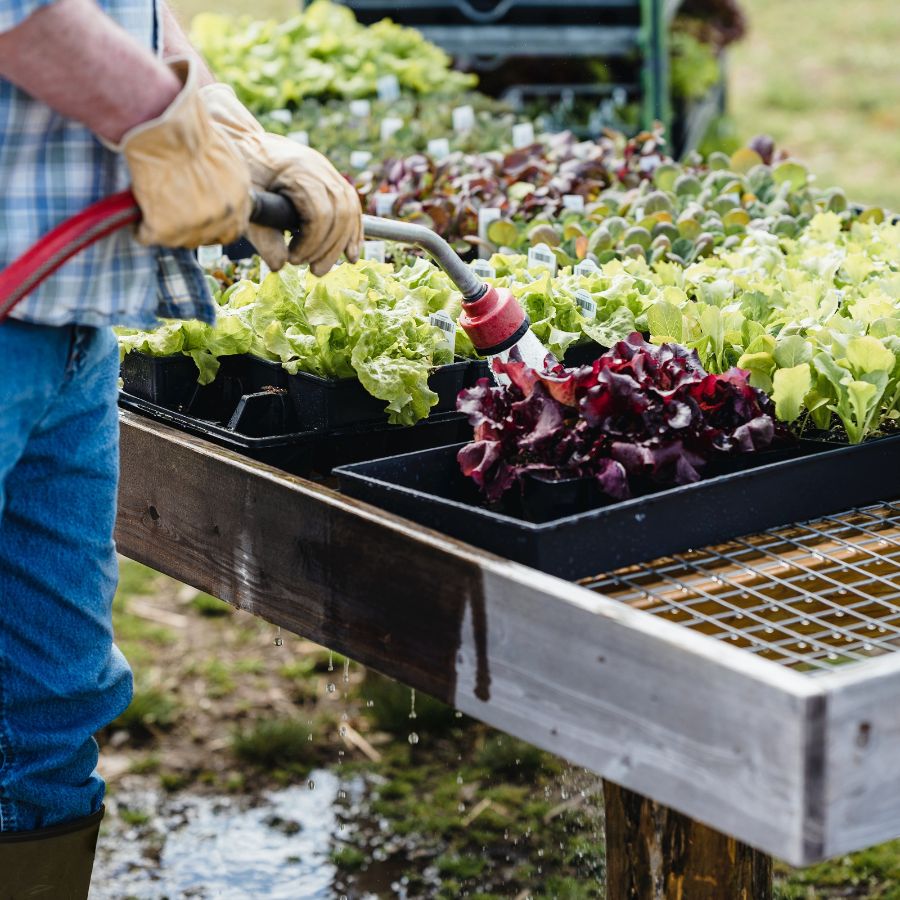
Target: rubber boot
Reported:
[(50, 863)]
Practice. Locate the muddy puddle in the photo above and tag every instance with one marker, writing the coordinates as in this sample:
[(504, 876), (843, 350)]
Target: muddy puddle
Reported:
[(278, 845)]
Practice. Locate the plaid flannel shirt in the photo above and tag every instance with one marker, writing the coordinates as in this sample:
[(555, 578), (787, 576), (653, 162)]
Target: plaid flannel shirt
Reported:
[(50, 169)]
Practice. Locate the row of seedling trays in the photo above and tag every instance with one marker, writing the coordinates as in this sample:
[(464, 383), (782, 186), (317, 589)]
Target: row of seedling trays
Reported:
[(306, 424)]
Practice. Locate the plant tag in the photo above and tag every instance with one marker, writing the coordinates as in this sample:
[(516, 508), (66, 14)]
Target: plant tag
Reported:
[(486, 215), (374, 251), (439, 149), (388, 88), (447, 325), (384, 204), (586, 303), (299, 137), (359, 159), (587, 267), (542, 255), (523, 135), (463, 118), (360, 109), (483, 269), (284, 116), (389, 127), (209, 255), (573, 202)]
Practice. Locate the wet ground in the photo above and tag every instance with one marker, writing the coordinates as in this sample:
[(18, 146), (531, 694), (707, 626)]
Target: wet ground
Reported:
[(278, 845)]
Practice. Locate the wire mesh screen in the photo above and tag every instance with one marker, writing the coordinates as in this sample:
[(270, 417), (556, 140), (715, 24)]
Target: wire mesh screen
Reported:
[(810, 596)]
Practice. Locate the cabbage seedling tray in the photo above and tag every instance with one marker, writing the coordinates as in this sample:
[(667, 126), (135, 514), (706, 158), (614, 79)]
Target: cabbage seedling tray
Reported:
[(429, 488), (263, 427)]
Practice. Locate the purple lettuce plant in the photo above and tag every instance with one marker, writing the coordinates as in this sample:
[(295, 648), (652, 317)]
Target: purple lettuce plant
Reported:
[(638, 412)]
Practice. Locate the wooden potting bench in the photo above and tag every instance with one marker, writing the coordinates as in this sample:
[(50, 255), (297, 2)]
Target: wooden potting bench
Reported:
[(741, 701)]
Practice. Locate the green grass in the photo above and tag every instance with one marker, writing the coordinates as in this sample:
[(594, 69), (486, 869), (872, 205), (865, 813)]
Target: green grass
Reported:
[(823, 78), (275, 744), (150, 709)]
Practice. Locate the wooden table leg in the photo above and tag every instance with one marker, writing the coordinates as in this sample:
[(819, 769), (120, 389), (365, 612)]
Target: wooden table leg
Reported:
[(655, 853)]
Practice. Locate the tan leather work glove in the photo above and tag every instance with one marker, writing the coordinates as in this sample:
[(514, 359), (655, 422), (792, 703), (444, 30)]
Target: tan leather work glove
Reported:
[(190, 182), (328, 205)]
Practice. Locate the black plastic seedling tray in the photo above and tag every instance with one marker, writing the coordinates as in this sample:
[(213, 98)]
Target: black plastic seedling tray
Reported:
[(263, 426), (321, 404), (814, 480), (325, 404), (579, 355)]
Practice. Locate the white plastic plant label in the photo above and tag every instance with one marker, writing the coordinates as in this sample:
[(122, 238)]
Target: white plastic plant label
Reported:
[(283, 116), (359, 159), (523, 135), (360, 109), (299, 137), (448, 327), (463, 119), (388, 88), (384, 204), (542, 256), (586, 303), (587, 267), (439, 149), (483, 269), (374, 251), (389, 127), (209, 255), (573, 202), (486, 215)]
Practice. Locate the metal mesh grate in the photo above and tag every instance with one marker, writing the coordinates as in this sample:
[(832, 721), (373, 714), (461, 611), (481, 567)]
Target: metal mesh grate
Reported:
[(810, 596)]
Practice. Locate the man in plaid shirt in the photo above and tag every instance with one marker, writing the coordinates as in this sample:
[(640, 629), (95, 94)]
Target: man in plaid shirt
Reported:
[(88, 106)]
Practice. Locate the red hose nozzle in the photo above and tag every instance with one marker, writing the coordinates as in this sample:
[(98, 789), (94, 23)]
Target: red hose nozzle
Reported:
[(494, 322)]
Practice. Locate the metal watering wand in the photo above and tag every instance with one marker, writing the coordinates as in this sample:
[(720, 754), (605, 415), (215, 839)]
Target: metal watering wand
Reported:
[(492, 317)]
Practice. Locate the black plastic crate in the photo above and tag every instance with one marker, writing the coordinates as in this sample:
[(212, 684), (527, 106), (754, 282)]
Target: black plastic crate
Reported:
[(494, 12), (429, 488)]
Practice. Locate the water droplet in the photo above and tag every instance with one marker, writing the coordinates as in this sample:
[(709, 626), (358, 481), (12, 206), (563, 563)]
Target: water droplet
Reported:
[(458, 714), (459, 779), (311, 784), (309, 737), (331, 660), (412, 703), (331, 687), (540, 853), (342, 795), (342, 731), (370, 703), (347, 670), (278, 641), (413, 738), (461, 808)]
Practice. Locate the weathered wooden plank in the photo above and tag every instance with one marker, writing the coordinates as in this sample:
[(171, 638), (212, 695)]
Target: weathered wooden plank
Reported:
[(655, 853), (706, 729), (861, 799)]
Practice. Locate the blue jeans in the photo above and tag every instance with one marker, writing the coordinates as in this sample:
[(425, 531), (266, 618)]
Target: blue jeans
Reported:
[(61, 678)]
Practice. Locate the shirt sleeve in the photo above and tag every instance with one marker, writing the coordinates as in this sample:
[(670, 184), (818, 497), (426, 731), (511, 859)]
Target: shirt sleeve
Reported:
[(14, 12)]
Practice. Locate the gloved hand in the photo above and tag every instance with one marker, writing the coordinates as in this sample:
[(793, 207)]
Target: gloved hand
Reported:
[(328, 205), (190, 182)]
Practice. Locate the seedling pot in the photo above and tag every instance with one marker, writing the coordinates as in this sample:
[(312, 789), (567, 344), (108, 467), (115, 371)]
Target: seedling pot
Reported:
[(324, 404)]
